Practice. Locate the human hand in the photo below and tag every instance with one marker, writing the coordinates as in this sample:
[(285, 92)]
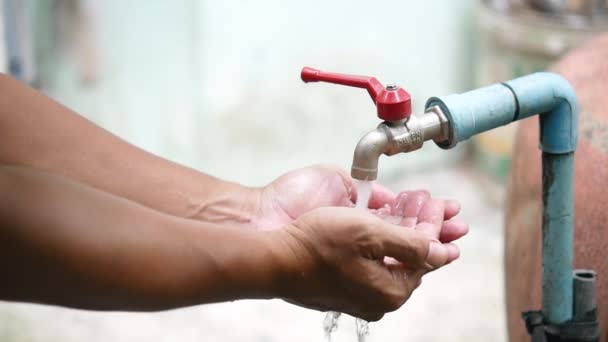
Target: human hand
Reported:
[(334, 259), (433, 217), (302, 190)]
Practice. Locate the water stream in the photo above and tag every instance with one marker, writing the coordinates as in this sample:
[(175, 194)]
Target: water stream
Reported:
[(330, 323)]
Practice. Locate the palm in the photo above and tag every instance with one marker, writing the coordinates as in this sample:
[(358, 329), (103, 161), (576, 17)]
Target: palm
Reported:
[(303, 190), (300, 191)]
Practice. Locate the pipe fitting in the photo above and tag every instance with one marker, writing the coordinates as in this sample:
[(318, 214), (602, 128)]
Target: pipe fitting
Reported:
[(483, 109), (392, 137), (368, 151)]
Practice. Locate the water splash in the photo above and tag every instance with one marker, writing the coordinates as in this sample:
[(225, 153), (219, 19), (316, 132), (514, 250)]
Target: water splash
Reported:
[(362, 329), (330, 323), (364, 192)]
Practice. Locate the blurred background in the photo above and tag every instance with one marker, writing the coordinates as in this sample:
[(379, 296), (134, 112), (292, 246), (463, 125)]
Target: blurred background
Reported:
[(215, 85)]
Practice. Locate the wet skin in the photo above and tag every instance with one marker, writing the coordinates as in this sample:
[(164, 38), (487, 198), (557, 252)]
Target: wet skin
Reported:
[(104, 225)]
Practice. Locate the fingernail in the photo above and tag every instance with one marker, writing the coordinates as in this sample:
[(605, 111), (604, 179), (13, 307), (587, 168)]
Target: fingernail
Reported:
[(437, 254)]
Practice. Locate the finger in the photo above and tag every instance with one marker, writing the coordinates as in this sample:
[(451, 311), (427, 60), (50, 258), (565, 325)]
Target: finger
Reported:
[(453, 230), (414, 203), (411, 247), (399, 203), (393, 220), (414, 279), (380, 197), (453, 252), (406, 281), (390, 262), (410, 280), (409, 222), (452, 208), (384, 211), (430, 218)]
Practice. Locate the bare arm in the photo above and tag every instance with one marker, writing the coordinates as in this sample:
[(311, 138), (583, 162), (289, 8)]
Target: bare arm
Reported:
[(38, 132), (65, 243)]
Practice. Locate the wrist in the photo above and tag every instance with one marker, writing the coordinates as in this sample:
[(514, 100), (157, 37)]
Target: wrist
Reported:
[(255, 267), (291, 264), (229, 203)]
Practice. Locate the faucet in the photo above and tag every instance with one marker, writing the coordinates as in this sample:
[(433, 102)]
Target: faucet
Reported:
[(450, 119), (399, 132)]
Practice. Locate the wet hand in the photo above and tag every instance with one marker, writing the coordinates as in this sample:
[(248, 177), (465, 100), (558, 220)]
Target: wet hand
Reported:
[(300, 191), (334, 259), (433, 217)]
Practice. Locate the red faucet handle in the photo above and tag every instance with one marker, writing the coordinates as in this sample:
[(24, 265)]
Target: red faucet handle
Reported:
[(393, 103)]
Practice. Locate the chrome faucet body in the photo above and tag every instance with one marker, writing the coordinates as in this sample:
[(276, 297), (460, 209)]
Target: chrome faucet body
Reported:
[(393, 137)]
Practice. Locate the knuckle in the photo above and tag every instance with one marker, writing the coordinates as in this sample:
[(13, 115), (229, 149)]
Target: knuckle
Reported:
[(370, 244), (421, 250), (415, 247)]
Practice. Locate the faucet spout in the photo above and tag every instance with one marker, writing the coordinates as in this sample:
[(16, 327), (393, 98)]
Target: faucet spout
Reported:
[(368, 151)]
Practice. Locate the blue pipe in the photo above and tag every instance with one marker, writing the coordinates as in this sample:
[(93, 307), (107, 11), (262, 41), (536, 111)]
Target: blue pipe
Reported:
[(553, 98), (558, 173)]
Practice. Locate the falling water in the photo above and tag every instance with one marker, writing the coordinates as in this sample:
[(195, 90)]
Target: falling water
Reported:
[(364, 191), (362, 329), (330, 323)]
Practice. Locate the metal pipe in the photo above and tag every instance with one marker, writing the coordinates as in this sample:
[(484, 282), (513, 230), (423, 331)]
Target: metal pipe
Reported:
[(553, 98), (557, 250), (585, 305)]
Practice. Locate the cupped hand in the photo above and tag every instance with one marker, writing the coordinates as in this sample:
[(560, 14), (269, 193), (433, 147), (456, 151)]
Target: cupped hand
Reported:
[(433, 217), (334, 259), (302, 190)]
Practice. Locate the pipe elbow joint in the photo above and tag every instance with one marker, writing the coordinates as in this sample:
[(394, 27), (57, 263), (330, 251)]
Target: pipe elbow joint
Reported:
[(544, 93), (369, 149), (551, 96)]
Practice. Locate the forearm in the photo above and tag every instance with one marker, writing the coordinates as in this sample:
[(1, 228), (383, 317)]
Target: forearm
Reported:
[(65, 243), (38, 132)]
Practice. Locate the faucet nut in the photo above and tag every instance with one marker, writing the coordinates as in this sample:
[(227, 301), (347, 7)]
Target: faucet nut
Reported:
[(391, 86)]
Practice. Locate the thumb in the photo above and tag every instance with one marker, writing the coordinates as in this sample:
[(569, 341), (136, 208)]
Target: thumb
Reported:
[(380, 196), (412, 248)]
